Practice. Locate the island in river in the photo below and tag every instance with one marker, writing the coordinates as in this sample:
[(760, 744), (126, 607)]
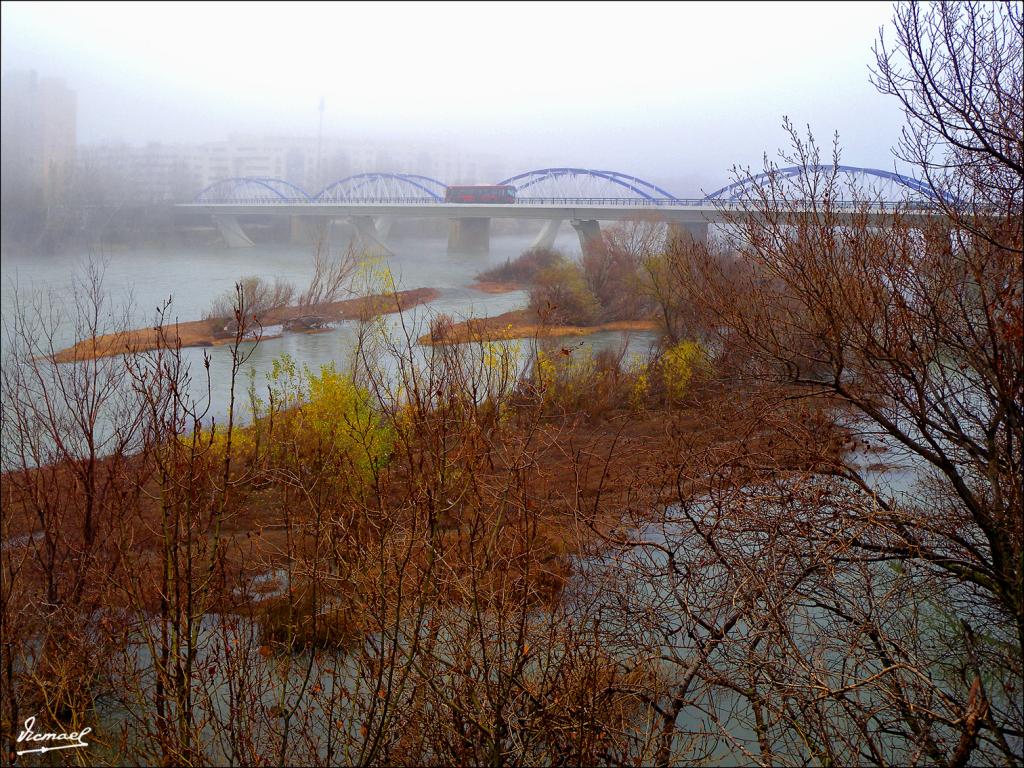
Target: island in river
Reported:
[(213, 331)]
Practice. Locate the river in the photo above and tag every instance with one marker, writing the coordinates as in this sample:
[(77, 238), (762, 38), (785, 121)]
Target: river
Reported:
[(142, 278)]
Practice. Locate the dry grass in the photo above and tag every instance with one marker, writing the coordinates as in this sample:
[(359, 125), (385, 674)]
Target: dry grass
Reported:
[(524, 323), (499, 286)]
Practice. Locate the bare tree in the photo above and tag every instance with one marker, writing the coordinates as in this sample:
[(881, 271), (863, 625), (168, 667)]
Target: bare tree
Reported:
[(332, 274), (905, 333), (955, 68), (260, 297)]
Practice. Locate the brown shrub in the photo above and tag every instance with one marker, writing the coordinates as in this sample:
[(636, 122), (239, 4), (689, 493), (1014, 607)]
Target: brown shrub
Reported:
[(523, 268), (612, 270), (294, 623), (560, 294)]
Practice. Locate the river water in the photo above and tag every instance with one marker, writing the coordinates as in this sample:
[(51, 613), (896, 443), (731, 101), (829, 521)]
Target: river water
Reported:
[(192, 277)]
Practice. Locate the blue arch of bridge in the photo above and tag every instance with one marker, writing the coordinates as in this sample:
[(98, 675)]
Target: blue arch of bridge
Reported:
[(632, 183), (363, 179), (640, 187), (731, 191), (262, 181)]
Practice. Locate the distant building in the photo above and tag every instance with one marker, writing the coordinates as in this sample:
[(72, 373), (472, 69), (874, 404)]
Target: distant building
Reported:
[(163, 173), (37, 139), (153, 173), (313, 165), (43, 168)]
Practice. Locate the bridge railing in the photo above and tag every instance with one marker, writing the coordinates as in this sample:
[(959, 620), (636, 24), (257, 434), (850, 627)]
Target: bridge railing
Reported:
[(565, 202), (706, 203), (626, 202), (312, 203)]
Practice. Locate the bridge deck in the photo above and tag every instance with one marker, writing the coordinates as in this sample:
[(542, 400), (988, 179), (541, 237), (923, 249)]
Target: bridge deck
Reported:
[(691, 212)]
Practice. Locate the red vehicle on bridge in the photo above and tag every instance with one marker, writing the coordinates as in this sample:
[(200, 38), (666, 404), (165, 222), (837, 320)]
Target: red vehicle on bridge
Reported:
[(481, 193)]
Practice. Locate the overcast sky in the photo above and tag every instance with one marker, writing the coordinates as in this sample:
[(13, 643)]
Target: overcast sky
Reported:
[(663, 90)]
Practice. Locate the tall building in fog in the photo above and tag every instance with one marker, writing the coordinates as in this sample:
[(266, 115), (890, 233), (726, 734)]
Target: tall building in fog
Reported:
[(37, 139)]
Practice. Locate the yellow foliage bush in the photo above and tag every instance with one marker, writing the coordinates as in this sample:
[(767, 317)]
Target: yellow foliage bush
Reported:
[(580, 380), (564, 379), (213, 443), (341, 415), (638, 392), (679, 364), (306, 414)]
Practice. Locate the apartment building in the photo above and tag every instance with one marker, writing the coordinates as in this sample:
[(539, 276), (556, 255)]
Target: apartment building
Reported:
[(158, 173), (38, 120)]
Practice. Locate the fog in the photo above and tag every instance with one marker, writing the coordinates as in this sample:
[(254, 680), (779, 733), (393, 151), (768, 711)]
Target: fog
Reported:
[(676, 93)]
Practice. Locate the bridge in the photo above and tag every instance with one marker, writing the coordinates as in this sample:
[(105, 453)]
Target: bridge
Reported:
[(370, 202)]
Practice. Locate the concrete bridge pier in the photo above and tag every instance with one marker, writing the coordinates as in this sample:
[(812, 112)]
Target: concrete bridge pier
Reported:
[(546, 238), (369, 237), (308, 230), (232, 231), (384, 224), (469, 236), (679, 232), (589, 232)]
